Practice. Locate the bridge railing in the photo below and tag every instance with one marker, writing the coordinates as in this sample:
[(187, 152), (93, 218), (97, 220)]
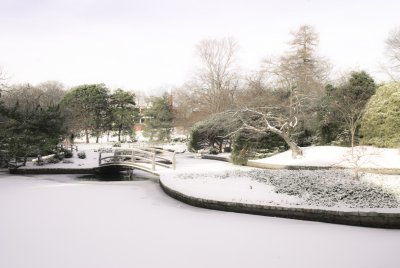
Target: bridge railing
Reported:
[(138, 157), (70, 147)]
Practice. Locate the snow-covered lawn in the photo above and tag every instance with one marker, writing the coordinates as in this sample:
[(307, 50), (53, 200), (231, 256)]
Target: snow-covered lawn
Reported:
[(335, 156), (330, 189), (335, 189)]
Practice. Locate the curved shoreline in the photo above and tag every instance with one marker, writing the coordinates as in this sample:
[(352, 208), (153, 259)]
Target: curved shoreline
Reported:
[(38, 171), (354, 218)]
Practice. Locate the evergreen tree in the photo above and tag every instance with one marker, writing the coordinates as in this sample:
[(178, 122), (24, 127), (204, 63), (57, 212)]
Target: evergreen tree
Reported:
[(86, 108), (159, 119), (346, 103), (29, 134), (123, 112)]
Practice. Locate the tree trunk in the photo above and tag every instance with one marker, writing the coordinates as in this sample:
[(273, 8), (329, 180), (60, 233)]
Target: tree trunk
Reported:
[(119, 134), (87, 135), (97, 138), (296, 150), (353, 134)]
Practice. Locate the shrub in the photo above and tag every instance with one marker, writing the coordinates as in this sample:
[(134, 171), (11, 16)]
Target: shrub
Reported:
[(227, 149), (213, 151), (81, 155), (246, 144), (213, 132), (53, 160), (68, 154), (117, 144), (60, 155), (380, 125), (241, 157)]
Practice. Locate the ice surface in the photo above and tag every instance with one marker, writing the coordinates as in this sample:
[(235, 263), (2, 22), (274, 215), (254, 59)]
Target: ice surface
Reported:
[(52, 221)]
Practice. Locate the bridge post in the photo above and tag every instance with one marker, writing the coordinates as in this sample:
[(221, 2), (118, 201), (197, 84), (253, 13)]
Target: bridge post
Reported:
[(153, 162), (173, 161), (99, 157)]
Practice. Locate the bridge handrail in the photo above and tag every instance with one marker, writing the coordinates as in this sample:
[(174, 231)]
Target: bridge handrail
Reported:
[(130, 155), (70, 147)]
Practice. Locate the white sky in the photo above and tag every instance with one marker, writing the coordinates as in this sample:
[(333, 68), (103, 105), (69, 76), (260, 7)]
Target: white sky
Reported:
[(144, 45)]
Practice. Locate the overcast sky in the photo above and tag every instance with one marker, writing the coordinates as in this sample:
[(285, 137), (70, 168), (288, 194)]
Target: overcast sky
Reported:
[(144, 45)]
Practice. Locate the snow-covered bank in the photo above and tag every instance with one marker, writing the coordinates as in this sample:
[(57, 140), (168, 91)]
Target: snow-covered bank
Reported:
[(335, 156), (337, 189)]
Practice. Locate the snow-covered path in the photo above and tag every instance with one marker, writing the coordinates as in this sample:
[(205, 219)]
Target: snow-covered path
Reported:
[(55, 221)]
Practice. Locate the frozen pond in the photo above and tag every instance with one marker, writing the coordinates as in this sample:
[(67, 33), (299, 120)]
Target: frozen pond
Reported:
[(59, 221)]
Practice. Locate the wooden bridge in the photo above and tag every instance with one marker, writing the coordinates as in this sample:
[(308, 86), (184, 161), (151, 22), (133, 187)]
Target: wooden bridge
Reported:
[(150, 160)]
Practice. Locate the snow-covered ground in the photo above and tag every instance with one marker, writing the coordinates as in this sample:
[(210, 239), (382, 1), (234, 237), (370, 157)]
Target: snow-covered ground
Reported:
[(216, 180), (61, 221), (331, 156), (58, 221), (92, 154), (225, 182)]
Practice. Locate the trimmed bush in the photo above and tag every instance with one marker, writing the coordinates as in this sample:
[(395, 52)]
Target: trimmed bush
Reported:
[(81, 155), (53, 160), (68, 154)]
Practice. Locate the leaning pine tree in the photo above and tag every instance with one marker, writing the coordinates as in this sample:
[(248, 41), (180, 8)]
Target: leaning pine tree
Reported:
[(264, 120)]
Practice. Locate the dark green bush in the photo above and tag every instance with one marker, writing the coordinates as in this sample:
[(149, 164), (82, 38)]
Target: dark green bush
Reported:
[(246, 144), (213, 132), (81, 155), (227, 149), (68, 154), (241, 157), (213, 151), (53, 160)]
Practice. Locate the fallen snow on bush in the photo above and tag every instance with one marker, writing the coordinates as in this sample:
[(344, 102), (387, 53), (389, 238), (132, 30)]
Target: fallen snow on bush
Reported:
[(328, 188)]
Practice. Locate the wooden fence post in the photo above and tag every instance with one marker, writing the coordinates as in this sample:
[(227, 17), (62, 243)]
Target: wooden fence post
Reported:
[(100, 158), (153, 166), (173, 161)]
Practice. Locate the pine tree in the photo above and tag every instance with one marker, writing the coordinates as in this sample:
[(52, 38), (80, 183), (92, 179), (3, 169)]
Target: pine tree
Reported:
[(159, 122), (123, 112)]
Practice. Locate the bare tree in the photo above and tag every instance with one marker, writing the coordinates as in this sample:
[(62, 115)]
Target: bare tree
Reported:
[(300, 71), (53, 92), (27, 97), (3, 81), (393, 54), (24, 97), (291, 87), (187, 108), (254, 92), (217, 81)]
